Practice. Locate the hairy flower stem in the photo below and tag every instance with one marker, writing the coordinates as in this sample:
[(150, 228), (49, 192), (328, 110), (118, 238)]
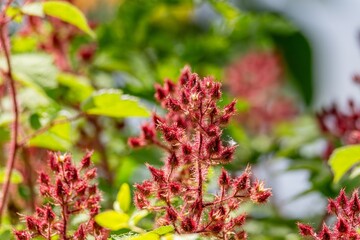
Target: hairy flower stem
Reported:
[(200, 180), (15, 125)]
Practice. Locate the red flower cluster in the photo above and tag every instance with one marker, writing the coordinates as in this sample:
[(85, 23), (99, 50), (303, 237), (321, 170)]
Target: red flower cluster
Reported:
[(69, 193), (256, 78), (191, 137), (347, 211), (340, 125)]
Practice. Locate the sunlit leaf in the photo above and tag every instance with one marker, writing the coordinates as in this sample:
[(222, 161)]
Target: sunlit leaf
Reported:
[(67, 13), (33, 9), (137, 216), (124, 197), (16, 176), (112, 220), (342, 159), (14, 13), (163, 230), (56, 138), (113, 103)]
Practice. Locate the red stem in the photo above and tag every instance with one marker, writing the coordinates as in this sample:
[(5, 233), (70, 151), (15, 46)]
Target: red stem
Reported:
[(15, 125)]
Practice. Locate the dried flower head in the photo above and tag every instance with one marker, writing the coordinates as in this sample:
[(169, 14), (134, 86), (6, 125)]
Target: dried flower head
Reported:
[(69, 192), (191, 138)]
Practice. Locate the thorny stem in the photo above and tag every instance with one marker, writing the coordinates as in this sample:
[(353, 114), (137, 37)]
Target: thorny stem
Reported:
[(102, 150), (30, 181), (200, 180), (15, 125)]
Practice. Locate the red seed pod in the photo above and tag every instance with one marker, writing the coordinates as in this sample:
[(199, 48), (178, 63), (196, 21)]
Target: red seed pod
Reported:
[(60, 189), (54, 164), (80, 233), (145, 188), (157, 120), (140, 201), (136, 142), (175, 187), (227, 153), (186, 149), (342, 226), (171, 214), (85, 161), (32, 224), (160, 93), (188, 224), (49, 214), (216, 91), (332, 206), (91, 174), (22, 235), (354, 204), (305, 230), (44, 179), (173, 160), (173, 105), (224, 178), (157, 174), (170, 86), (325, 233), (214, 146), (148, 132), (342, 200), (185, 76)]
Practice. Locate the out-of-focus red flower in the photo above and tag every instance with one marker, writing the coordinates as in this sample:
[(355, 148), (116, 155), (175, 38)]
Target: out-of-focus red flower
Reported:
[(256, 78)]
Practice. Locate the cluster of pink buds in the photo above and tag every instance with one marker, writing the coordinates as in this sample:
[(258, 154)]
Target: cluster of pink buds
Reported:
[(69, 193), (256, 78), (347, 212), (191, 137)]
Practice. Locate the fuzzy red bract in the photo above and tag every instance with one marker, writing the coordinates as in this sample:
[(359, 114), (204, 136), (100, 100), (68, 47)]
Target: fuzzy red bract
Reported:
[(69, 192), (347, 212), (191, 138)]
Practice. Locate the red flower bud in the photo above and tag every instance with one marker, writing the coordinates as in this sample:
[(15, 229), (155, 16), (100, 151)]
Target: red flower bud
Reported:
[(85, 161), (171, 215), (157, 174), (148, 132), (161, 93), (224, 179), (305, 230), (188, 224), (135, 142)]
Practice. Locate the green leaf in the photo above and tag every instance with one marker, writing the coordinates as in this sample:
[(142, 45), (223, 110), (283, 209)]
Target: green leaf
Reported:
[(14, 13), (33, 67), (145, 236), (163, 230), (33, 9), (112, 220), (16, 176), (113, 103), (79, 87), (342, 159), (124, 197), (57, 138), (137, 216), (67, 13)]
